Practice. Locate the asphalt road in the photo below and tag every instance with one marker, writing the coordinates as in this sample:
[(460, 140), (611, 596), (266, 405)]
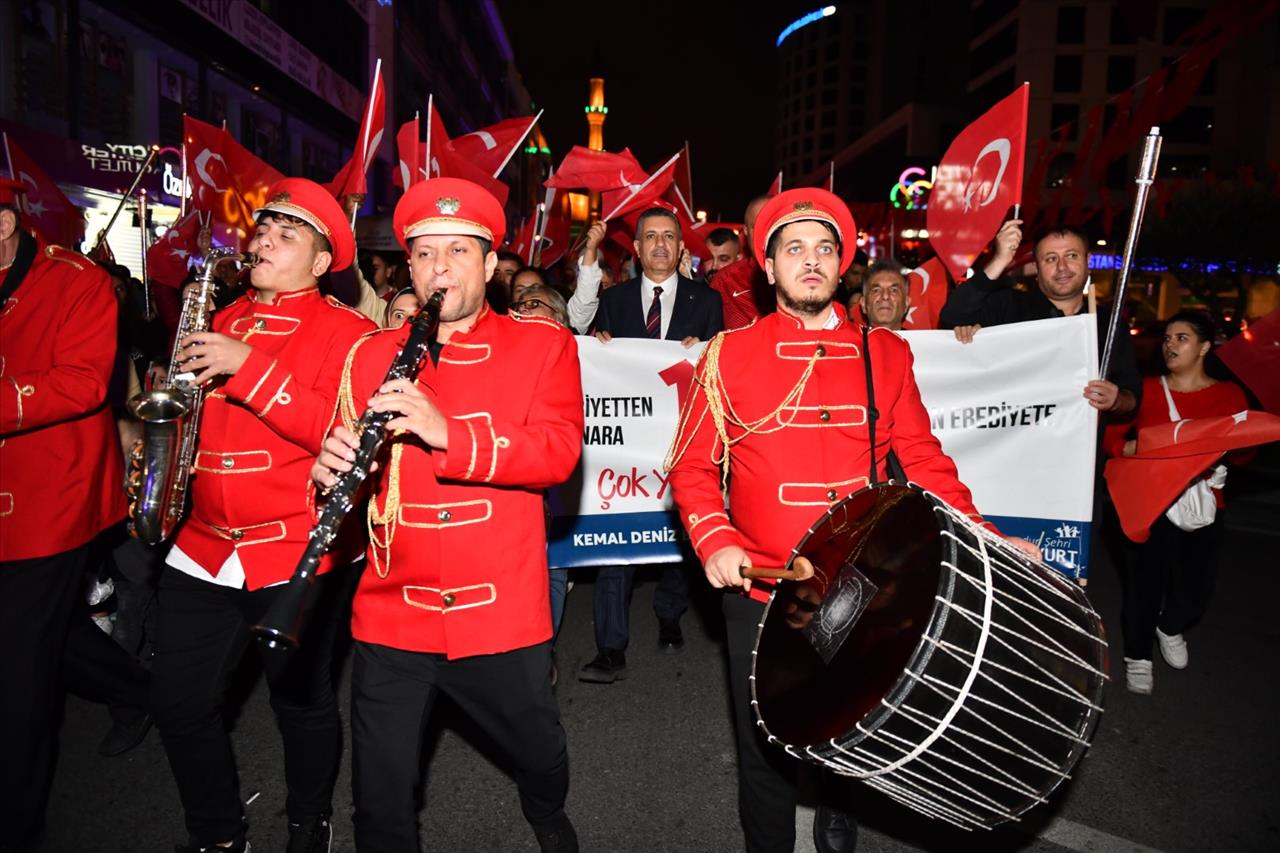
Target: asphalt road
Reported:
[(1194, 767)]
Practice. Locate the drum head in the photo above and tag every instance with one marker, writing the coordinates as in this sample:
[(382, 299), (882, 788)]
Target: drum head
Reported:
[(831, 647)]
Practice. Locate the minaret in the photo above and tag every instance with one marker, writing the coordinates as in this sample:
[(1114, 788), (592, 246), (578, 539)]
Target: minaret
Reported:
[(596, 112)]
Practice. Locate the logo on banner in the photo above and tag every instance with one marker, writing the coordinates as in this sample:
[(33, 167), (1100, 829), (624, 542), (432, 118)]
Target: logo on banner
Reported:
[(1000, 147), (1063, 545)]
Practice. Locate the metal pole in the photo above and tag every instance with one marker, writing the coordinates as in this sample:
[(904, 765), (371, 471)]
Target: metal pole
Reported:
[(137, 179), (1146, 177), (142, 227)]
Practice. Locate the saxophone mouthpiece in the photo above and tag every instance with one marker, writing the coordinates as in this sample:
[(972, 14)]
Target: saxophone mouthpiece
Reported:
[(249, 259)]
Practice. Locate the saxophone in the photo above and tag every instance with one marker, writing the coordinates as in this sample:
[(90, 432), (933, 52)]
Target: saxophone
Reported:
[(160, 463)]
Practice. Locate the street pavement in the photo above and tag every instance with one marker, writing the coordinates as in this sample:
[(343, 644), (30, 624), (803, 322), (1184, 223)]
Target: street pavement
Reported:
[(1194, 767)]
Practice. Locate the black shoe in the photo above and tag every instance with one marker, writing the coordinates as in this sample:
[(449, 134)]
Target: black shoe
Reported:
[(125, 734), (670, 637), (834, 831), (559, 837), (241, 845), (609, 665), (310, 836)]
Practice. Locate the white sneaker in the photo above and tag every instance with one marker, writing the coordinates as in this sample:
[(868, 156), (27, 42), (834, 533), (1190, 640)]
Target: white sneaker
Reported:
[(1173, 649), (1138, 677)]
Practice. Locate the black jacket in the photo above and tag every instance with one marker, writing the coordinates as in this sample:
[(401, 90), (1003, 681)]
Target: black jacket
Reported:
[(698, 311)]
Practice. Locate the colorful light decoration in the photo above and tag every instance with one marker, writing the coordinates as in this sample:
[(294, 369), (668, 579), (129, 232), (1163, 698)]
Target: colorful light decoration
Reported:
[(798, 23), (911, 193)]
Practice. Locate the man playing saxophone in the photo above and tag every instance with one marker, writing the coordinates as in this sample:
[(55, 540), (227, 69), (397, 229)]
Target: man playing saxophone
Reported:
[(272, 363)]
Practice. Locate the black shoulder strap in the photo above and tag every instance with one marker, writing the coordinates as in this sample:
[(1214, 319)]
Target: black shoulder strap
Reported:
[(873, 414)]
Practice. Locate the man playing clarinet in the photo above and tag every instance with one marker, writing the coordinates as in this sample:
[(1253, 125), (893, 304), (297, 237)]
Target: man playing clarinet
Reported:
[(455, 597)]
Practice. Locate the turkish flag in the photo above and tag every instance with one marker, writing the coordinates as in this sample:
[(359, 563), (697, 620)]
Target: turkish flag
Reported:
[(597, 171), (411, 155), (776, 186), (169, 257), (927, 285), (227, 180), (620, 202), (1254, 357), (555, 235), (1171, 456), (490, 148), (443, 161), (44, 207), (979, 179), (351, 179)]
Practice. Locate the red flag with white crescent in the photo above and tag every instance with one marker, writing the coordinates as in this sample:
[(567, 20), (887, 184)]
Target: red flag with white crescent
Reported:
[(927, 287), (352, 178), (410, 155), (597, 171), (1254, 357), (169, 257), (227, 180), (50, 213), (491, 148), (979, 179), (444, 161), (620, 202)]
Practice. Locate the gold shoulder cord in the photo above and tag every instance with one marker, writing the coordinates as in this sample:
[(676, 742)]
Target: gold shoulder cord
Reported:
[(723, 414), (391, 511)]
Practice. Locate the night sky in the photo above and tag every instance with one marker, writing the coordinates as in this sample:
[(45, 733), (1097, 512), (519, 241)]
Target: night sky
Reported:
[(705, 74)]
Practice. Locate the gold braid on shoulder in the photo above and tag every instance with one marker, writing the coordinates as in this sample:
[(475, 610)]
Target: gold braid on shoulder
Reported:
[(723, 414), (391, 506)]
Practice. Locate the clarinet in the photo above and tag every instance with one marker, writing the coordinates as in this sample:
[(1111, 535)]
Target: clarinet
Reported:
[(282, 625)]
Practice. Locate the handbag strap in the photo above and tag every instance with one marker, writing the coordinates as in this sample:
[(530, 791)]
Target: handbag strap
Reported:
[(1168, 395)]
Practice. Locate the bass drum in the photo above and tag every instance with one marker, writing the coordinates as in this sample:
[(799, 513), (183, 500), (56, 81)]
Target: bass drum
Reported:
[(929, 658)]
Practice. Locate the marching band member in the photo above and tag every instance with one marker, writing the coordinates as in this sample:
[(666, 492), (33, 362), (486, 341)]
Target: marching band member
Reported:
[(780, 410), (60, 487), (454, 598), (277, 353)]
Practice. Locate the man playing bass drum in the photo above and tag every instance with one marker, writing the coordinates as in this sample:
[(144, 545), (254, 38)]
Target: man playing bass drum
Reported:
[(782, 409), (455, 598), (276, 356)]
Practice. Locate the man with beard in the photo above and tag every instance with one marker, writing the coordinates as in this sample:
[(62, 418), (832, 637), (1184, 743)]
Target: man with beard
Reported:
[(779, 412), (725, 249), (660, 304), (1062, 270), (455, 598)]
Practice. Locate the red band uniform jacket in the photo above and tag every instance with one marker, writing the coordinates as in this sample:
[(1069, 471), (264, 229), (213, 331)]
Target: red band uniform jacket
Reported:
[(457, 559), (815, 451), (260, 433), (61, 470)]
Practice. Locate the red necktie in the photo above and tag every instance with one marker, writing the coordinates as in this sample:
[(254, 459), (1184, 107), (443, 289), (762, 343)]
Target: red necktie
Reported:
[(653, 322)]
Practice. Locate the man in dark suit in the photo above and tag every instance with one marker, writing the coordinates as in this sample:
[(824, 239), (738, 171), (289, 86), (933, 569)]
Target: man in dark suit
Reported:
[(659, 304)]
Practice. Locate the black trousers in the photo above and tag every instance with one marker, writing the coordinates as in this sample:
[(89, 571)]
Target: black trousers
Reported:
[(766, 775), (202, 631), (1169, 585), (611, 601), (37, 599), (508, 695)]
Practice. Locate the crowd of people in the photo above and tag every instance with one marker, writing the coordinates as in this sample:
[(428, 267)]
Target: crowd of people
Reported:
[(298, 349)]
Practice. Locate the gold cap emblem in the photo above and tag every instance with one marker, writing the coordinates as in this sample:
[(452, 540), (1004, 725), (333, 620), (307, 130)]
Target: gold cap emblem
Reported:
[(448, 205), (278, 197), (802, 205)]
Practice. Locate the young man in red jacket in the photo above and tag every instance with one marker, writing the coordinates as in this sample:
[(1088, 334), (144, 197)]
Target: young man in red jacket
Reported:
[(273, 361), (60, 487), (782, 405), (454, 598)]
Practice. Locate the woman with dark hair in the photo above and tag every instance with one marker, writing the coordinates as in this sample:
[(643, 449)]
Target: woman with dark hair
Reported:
[(1169, 584)]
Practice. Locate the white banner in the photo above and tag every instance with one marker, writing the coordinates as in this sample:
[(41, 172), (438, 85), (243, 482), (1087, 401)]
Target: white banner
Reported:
[(1008, 408)]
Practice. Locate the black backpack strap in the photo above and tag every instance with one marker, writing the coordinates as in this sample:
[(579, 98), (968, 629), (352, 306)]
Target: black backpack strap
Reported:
[(873, 414)]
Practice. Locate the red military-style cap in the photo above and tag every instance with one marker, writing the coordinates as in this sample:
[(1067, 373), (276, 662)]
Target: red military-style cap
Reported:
[(317, 207), (10, 190), (448, 206), (808, 204)]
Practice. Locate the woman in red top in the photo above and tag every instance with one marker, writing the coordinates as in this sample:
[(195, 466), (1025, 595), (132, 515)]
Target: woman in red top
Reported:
[(1169, 587)]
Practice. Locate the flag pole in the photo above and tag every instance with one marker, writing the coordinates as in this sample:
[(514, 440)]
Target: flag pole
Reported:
[(518, 143), (8, 157), (430, 112), (1146, 177), (582, 239), (137, 179)]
